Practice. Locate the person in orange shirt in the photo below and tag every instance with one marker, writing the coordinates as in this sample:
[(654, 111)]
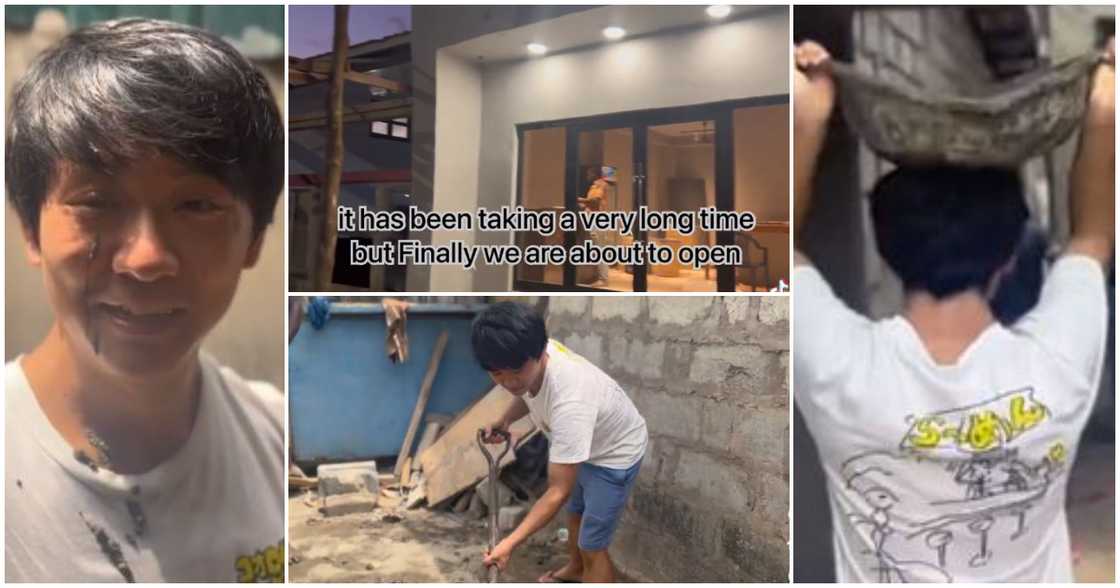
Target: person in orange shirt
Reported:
[(595, 200)]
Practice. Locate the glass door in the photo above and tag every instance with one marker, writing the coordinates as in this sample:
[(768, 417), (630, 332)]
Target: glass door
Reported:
[(605, 181), (541, 187), (681, 164), (680, 159)]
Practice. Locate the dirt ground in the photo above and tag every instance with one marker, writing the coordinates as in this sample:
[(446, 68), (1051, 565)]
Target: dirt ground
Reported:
[(392, 544)]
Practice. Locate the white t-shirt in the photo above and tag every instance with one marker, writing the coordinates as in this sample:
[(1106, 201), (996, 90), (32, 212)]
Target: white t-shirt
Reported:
[(585, 414), (213, 512), (951, 472)]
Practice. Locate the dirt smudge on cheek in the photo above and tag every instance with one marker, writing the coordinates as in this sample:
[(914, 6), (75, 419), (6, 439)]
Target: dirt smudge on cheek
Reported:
[(110, 548), (95, 338)]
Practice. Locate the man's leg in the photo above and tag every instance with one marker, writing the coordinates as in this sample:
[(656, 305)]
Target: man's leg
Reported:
[(573, 570), (604, 496), (598, 567)]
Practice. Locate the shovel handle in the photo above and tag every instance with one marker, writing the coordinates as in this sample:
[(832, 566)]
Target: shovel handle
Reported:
[(493, 463), (490, 458)]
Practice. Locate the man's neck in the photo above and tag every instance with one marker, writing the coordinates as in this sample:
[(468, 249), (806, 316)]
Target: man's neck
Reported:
[(132, 423), (539, 383), (947, 326)]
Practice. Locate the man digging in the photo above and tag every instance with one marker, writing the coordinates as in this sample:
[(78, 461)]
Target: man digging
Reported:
[(597, 438)]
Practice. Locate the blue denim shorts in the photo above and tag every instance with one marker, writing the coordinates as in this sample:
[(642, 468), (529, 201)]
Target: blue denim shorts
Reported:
[(600, 495)]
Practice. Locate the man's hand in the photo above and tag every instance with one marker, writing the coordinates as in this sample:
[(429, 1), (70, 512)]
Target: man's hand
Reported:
[(499, 557), (1102, 95), (814, 91), (495, 432), (814, 94)]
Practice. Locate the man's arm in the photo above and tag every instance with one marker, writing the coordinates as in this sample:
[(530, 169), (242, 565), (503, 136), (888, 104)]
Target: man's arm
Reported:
[(814, 94), (1093, 174), (561, 480)]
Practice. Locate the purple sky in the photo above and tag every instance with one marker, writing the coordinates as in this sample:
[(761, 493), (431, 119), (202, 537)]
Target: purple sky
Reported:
[(310, 28)]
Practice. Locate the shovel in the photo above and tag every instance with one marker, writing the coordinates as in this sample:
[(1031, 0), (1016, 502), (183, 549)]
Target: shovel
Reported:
[(493, 462)]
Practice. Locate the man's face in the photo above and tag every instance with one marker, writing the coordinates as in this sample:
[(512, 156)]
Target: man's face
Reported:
[(521, 380), (139, 265)]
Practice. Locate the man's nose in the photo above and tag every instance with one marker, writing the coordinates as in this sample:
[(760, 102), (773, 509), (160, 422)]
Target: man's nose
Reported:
[(146, 255)]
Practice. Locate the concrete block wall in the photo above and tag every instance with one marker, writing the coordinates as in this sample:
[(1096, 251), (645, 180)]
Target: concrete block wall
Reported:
[(710, 376)]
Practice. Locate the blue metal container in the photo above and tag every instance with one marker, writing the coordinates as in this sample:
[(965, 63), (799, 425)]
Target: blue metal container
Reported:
[(348, 402)]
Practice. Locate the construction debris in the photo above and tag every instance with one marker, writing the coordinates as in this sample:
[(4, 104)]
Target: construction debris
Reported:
[(417, 495), (505, 495), (421, 402), (453, 463), (396, 334), (347, 488), (463, 502), (510, 516)]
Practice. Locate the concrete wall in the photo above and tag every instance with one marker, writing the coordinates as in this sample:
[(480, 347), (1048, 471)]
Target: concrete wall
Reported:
[(709, 374), (250, 338)]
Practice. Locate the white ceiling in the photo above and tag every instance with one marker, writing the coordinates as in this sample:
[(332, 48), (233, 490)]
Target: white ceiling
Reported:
[(585, 28)]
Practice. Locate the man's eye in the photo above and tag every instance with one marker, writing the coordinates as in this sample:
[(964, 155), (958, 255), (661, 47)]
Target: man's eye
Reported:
[(92, 202), (200, 205)]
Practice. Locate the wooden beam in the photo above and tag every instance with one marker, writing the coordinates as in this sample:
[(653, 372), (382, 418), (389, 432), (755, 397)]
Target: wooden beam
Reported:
[(421, 403), (385, 110), (375, 81), (377, 176)]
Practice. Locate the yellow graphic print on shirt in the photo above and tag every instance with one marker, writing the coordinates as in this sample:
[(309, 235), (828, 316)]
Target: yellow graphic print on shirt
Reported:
[(978, 428), (266, 565)]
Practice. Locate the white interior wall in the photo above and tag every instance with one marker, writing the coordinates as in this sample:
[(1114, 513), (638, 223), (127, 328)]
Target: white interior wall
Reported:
[(457, 143)]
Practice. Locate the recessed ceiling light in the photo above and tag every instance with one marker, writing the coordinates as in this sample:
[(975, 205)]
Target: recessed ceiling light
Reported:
[(719, 10), (536, 48), (614, 33)]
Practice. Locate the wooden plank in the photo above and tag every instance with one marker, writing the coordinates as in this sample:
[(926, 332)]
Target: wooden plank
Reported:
[(298, 482), (431, 431), (406, 472), (374, 81), (421, 402), (454, 462)]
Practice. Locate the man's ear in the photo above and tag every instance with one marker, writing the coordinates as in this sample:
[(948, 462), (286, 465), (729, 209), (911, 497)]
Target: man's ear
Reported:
[(253, 254), (31, 246)]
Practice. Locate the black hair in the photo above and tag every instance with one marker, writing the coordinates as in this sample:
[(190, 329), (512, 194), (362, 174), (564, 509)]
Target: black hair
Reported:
[(115, 92), (948, 229), (506, 335)]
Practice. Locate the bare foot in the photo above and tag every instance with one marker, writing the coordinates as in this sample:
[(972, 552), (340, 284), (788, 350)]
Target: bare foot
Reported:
[(570, 573)]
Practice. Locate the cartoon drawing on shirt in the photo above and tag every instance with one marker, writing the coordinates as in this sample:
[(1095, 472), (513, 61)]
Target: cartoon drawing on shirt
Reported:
[(870, 477), (969, 478)]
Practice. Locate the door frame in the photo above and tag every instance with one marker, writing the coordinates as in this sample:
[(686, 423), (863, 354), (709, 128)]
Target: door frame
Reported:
[(639, 121)]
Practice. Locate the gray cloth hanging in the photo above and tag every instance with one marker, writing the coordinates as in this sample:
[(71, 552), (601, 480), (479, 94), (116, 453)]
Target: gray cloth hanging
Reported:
[(1002, 126)]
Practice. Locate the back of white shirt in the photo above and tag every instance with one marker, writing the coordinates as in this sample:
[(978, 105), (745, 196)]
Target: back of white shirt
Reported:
[(951, 472), (213, 512), (586, 414)]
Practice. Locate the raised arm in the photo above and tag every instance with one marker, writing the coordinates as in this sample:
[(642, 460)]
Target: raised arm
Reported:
[(814, 94), (1093, 175)]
